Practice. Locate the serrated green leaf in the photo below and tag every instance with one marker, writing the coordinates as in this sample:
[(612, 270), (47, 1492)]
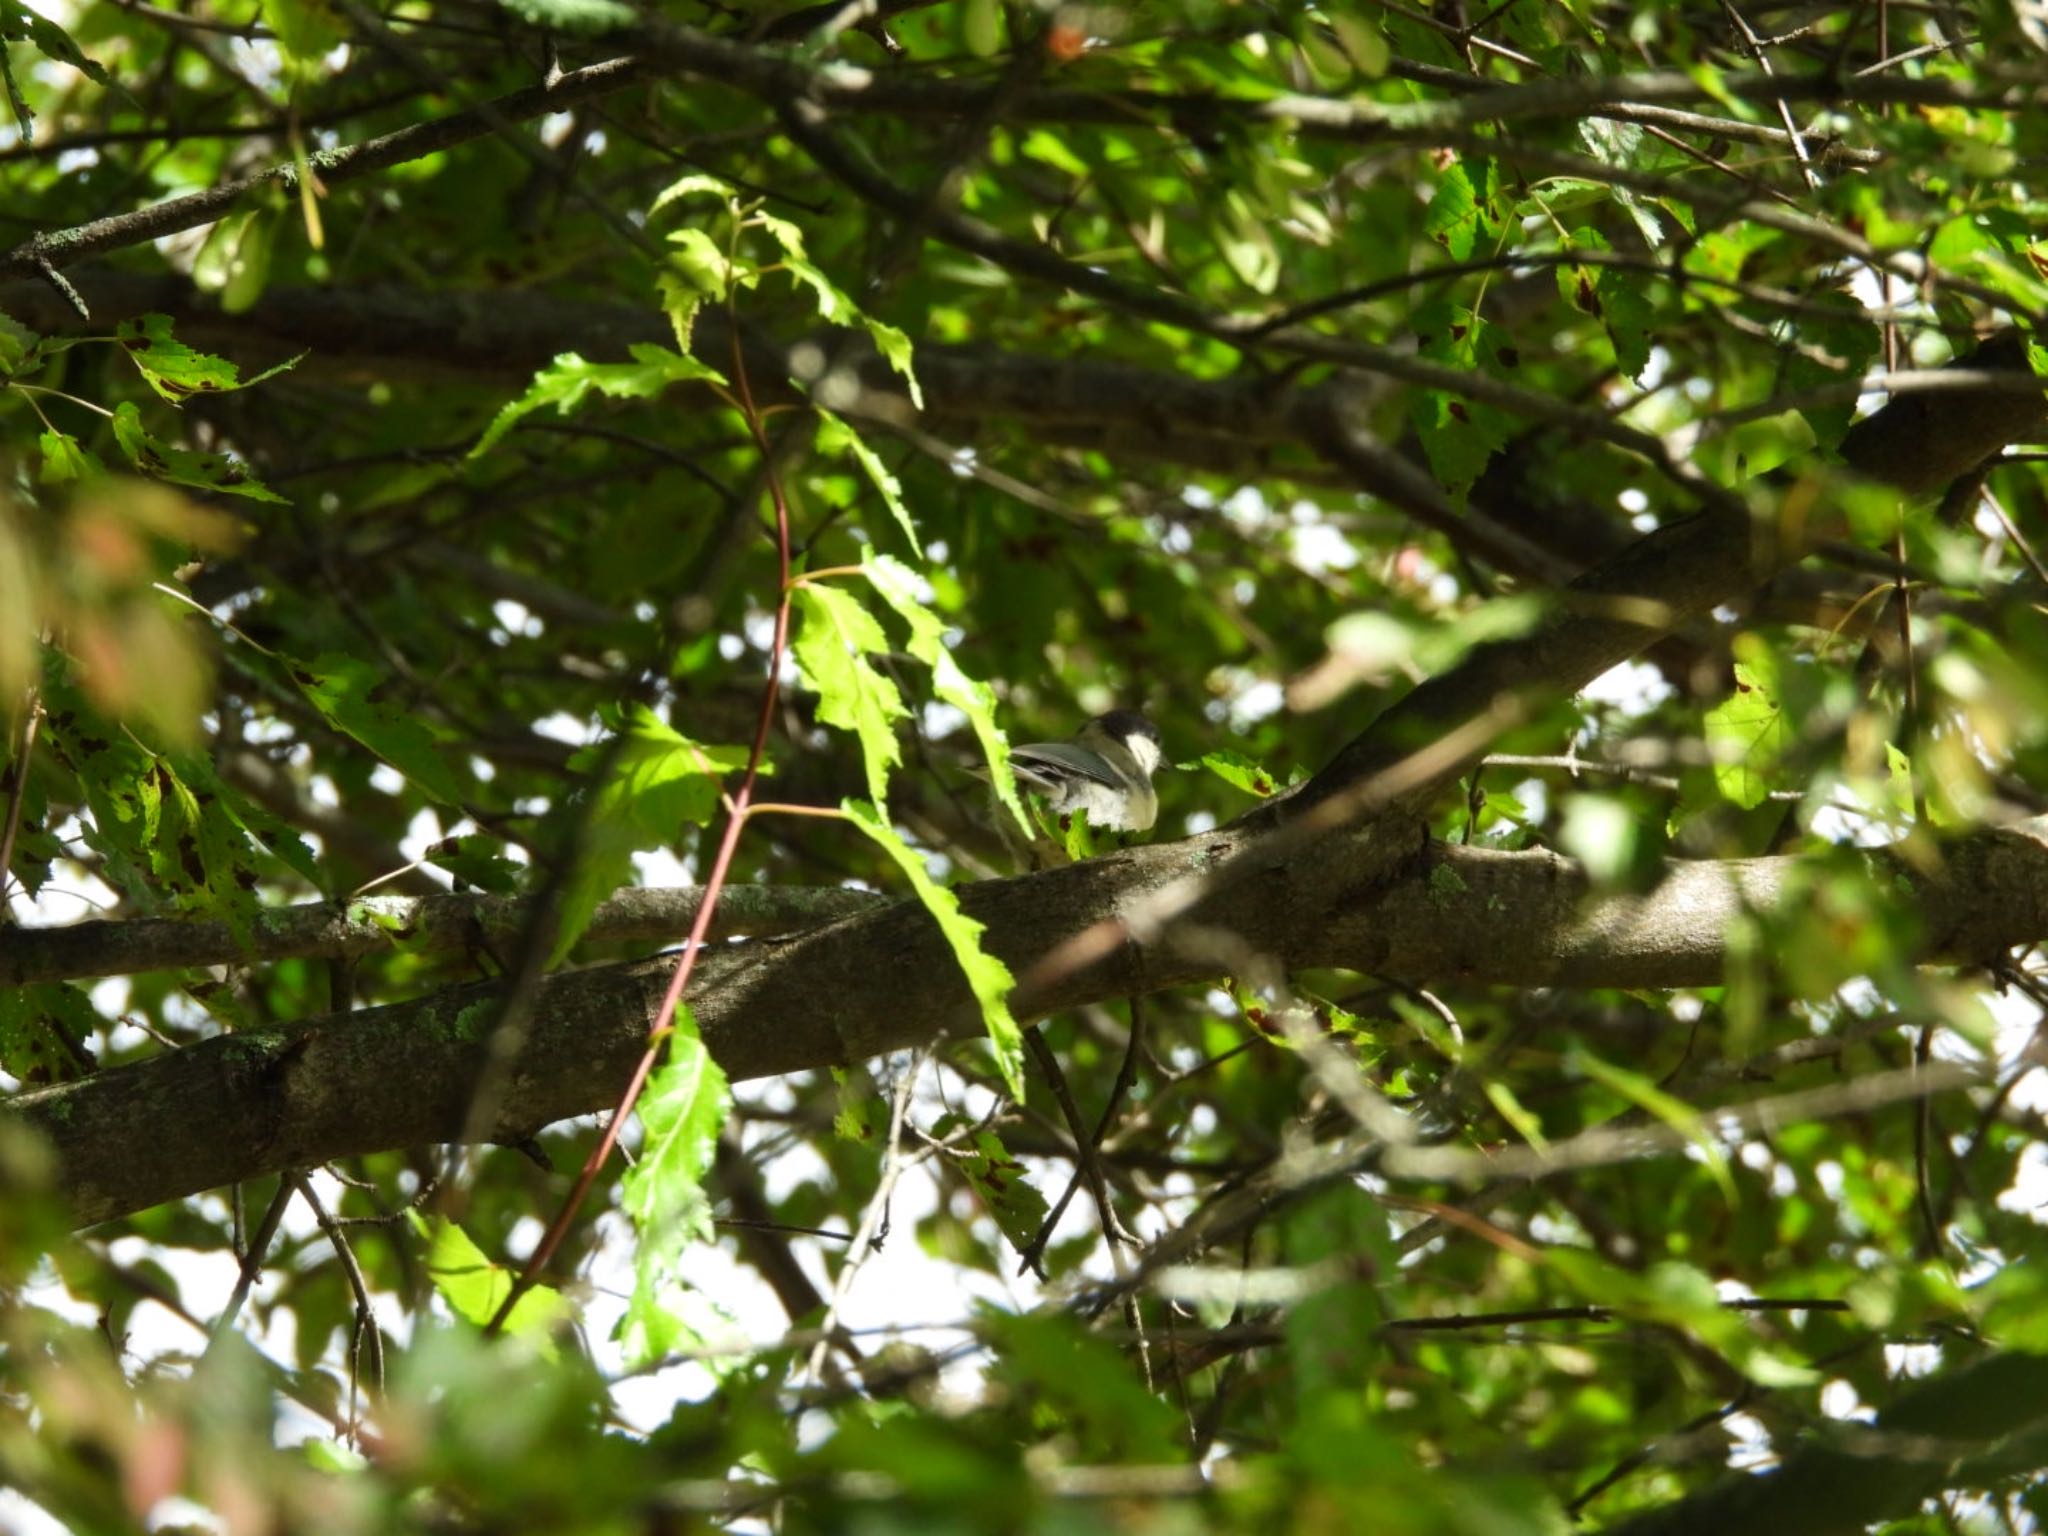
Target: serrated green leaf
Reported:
[(181, 466), (835, 436), (834, 640), (1453, 218), (18, 23), (1747, 736), (1005, 1187), (344, 690), (1757, 447), (475, 1288), (43, 1030), (681, 1112), (283, 842), (659, 782), (1235, 769), (988, 978), (64, 461), (834, 305), (700, 263), (569, 380), (176, 371), (896, 583)]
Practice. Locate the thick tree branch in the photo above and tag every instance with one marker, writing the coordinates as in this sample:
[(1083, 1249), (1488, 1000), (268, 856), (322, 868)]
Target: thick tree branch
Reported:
[(1622, 605), (297, 1095), (60, 248), (372, 924)]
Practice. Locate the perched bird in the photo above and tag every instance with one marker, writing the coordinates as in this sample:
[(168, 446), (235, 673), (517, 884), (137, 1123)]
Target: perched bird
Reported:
[(1106, 770)]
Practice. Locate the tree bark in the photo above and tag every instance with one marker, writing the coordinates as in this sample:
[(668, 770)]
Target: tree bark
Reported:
[(297, 1095)]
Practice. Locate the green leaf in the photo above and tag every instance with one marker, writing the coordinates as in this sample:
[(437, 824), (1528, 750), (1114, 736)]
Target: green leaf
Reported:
[(897, 585), (235, 260), (834, 640), (1898, 779), (1618, 299), (20, 24), (176, 371), (1005, 1188), (988, 978), (1245, 241), (1747, 734), (1054, 1362), (1238, 771), (1075, 837), (981, 27), (475, 1288), (43, 1030), (1458, 435), (345, 690), (834, 305), (1682, 1297), (569, 380), (282, 841), (181, 466), (660, 781), (64, 461), (476, 861), (835, 436), (200, 853), (1453, 219), (306, 29), (1619, 144), (1363, 40), (1333, 1333), (681, 1112)]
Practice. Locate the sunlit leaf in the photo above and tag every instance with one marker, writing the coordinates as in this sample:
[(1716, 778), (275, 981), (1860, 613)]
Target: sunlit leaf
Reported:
[(475, 1288), (988, 978), (680, 1111), (569, 381), (656, 782), (835, 639)]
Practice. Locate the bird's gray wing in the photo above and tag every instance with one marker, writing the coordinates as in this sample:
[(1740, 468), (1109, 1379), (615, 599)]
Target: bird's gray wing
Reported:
[(1062, 757)]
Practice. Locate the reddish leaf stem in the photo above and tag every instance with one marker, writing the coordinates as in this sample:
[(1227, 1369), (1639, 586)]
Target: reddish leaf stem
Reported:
[(736, 819)]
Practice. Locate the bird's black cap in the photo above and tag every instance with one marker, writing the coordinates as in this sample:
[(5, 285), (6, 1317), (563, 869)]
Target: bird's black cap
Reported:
[(1126, 723)]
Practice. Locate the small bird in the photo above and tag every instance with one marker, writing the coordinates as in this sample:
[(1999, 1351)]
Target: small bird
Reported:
[(1106, 770)]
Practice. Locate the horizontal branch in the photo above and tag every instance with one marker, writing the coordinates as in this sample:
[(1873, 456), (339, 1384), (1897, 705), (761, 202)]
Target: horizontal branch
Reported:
[(777, 76), (59, 248), (293, 1096), (373, 924)]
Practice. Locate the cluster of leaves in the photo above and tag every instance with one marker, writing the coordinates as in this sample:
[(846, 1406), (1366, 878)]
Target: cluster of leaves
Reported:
[(1034, 426)]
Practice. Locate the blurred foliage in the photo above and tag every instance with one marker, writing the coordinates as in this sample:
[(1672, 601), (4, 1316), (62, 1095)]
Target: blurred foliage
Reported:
[(291, 606)]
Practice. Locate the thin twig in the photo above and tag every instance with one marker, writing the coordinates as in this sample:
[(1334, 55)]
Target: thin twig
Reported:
[(252, 1261), (1034, 1251), (365, 1329), (17, 786), (867, 1237)]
